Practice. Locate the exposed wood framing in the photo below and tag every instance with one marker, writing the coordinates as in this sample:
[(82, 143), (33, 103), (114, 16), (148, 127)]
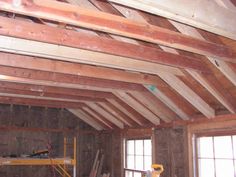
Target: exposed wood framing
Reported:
[(86, 119), (218, 95), (202, 14), (13, 99), (215, 92), (107, 115), (64, 80), (57, 52), (125, 110), (139, 107), (99, 117), (75, 15), (153, 104), (31, 31), (189, 95), (155, 91), (136, 17), (115, 114), (14, 60)]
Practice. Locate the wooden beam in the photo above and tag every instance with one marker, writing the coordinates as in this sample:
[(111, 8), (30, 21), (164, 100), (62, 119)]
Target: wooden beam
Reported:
[(156, 106), (86, 119), (166, 100), (64, 97), (99, 117), (189, 95), (28, 96), (20, 75), (195, 13), (42, 64), (126, 111), (59, 52), (13, 99), (213, 90), (219, 119), (138, 107), (105, 114), (99, 121), (228, 4), (74, 15), (117, 113), (56, 90), (32, 31), (223, 66)]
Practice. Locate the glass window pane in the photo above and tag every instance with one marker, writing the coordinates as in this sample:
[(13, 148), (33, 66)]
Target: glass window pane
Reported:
[(206, 168), (139, 147), (137, 174), (235, 168), (147, 147), (234, 141), (139, 162), (205, 149), (147, 163), (130, 162), (223, 147), (224, 168), (128, 173), (130, 147)]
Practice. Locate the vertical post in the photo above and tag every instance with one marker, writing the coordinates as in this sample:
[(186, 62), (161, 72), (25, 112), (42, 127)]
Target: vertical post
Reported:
[(153, 138), (74, 167), (65, 143)]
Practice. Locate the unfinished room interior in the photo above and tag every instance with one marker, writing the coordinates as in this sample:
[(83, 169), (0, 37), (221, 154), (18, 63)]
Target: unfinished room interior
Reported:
[(117, 88)]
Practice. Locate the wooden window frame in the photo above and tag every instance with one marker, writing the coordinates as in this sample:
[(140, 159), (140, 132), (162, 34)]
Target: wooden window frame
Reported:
[(212, 134), (126, 155)]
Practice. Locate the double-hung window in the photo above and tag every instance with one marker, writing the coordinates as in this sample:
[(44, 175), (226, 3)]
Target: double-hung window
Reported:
[(138, 156), (216, 156)]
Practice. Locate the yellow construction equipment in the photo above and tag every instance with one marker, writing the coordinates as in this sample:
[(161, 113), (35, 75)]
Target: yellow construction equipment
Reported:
[(157, 169)]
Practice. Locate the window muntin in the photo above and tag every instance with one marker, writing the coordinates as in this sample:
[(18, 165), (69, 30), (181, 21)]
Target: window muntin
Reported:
[(138, 156), (216, 156)]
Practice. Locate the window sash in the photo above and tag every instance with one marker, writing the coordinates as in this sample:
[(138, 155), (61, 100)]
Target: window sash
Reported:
[(230, 160), (141, 155)]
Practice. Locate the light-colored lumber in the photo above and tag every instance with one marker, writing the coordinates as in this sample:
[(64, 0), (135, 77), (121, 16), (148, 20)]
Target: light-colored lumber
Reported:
[(120, 107), (97, 117), (138, 107), (152, 105), (123, 119), (160, 95), (107, 115), (207, 15), (40, 49), (86, 119), (100, 166), (189, 95), (212, 90)]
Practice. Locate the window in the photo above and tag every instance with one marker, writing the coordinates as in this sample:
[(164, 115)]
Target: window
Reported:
[(138, 157), (216, 156)]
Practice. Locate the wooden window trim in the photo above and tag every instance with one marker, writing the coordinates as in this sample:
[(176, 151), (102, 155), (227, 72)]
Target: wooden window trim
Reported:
[(212, 134)]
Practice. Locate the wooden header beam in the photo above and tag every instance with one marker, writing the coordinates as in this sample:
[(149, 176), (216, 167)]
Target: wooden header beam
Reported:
[(74, 15)]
